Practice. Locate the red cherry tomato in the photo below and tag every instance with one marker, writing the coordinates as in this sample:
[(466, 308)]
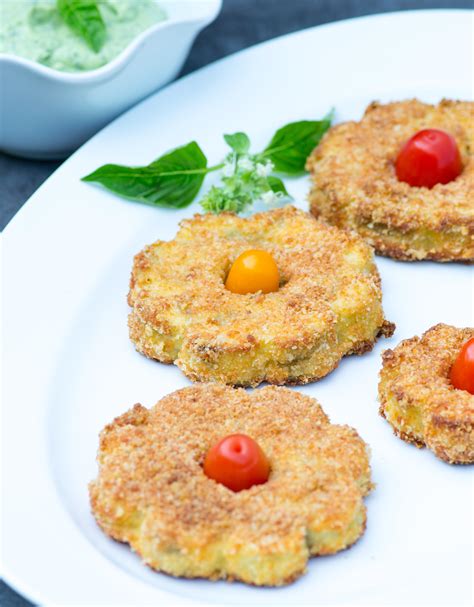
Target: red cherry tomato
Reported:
[(462, 371), (237, 462), (431, 156)]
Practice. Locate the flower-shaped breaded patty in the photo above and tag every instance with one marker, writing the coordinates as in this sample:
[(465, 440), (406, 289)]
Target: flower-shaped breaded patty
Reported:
[(417, 397), (151, 490), (328, 304), (355, 184)]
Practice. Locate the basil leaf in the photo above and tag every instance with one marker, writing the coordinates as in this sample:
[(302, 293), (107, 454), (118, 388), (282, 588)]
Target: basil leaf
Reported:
[(170, 181), (239, 142), (277, 185), (84, 19), (292, 144)]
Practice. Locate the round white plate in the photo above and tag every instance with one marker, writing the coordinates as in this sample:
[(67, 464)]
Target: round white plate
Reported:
[(70, 368)]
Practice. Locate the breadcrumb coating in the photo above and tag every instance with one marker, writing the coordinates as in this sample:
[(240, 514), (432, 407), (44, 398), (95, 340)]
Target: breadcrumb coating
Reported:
[(152, 493), (418, 399), (355, 184), (328, 304)]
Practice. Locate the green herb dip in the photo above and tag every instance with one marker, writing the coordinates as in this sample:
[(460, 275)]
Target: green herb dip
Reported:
[(34, 29)]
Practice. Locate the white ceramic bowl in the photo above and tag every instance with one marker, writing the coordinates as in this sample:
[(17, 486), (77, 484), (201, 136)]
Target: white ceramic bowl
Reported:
[(45, 113)]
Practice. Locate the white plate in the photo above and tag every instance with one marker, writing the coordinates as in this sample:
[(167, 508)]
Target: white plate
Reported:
[(70, 368)]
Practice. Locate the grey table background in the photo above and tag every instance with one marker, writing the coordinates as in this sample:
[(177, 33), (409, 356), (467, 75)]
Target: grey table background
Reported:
[(240, 24)]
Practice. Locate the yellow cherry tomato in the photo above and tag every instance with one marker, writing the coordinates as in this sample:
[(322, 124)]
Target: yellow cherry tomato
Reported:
[(253, 271)]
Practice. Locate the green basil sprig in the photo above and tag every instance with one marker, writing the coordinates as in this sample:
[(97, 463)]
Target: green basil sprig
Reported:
[(83, 17), (174, 180)]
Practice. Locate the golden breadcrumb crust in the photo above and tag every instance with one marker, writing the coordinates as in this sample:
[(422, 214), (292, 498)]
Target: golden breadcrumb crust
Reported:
[(355, 185), (152, 493), (328, 304), (418, 399)]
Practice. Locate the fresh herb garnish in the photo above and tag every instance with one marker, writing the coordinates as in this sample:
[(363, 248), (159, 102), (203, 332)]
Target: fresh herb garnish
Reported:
[(292, 144), (83, 17), (239, 142), (174, 180), (244, 180), (171, 181)]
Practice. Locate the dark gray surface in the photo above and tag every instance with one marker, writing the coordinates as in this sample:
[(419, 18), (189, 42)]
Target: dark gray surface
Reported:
[(241, 24)]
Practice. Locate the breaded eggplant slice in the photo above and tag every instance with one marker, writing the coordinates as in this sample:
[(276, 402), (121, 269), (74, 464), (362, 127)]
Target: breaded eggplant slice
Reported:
[(152, 493), (328, 304), (417, 397), (355, 185)]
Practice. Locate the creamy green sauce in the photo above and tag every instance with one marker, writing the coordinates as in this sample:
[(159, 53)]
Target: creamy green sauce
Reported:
[(34, 29)]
